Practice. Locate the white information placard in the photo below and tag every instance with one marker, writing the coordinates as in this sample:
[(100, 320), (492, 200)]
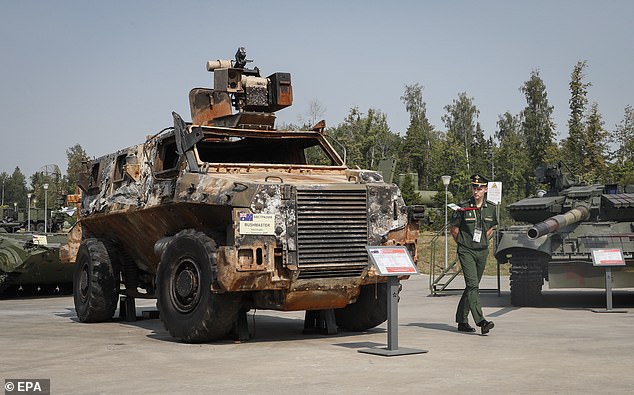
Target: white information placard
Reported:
[(40, 240), (608, 257), (256, 224), (392, 260), (494, 192)]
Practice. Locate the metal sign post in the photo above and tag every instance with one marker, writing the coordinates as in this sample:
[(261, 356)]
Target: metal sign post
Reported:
[(392, 261), (608, 258)]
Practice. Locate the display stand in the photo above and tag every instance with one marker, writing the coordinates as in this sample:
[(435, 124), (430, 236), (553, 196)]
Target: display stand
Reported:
[(608, 258), (392, 261)]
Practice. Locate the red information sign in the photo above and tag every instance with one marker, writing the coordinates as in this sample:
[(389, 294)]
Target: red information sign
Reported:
[(392, 260), (608, 257)]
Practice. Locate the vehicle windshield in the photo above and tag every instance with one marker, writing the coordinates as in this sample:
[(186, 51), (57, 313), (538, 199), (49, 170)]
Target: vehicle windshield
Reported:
[(269, 150)]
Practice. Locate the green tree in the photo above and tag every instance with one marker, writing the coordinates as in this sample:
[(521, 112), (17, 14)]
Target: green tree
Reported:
[(408, 191), (76, 156), (511, 157), (595, 147), (538, 127), (420, 139), (14, 188), (49, 175), (623, 166), (573, 145), (366, 138), (463, 139)]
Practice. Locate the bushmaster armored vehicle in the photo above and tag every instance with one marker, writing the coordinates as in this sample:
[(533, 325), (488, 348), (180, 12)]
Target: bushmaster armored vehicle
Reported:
[(566, 223), (226, 214)]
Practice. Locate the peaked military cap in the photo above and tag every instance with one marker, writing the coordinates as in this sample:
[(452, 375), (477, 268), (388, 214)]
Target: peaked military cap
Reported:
[(479, 180)]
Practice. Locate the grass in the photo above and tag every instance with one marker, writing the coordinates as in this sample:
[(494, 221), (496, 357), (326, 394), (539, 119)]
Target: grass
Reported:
[(431, 246)]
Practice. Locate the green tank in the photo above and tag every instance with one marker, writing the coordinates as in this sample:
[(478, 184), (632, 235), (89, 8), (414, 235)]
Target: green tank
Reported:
[(32, 262), (563, 226)]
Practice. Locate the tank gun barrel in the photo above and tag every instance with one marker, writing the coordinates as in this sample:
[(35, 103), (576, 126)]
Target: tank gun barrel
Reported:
[(559, 221)]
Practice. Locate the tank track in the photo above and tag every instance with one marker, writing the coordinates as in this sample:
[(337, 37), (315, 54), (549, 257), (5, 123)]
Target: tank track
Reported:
[(526, 278)]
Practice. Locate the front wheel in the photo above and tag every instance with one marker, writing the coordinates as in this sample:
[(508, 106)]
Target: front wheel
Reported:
[(95, 281), (368, 311), (190, 311)]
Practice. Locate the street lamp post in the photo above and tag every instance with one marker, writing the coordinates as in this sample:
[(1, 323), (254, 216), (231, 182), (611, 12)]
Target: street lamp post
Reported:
[(45, 186), (445, 182), (28, 215)]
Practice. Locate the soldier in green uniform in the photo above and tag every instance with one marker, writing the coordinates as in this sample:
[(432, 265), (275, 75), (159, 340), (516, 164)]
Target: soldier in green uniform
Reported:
[(471, 226)]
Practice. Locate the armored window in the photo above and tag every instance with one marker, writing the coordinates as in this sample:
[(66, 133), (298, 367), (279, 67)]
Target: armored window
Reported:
[(290, 151), (167, 157), (118, 168), (95, 175)]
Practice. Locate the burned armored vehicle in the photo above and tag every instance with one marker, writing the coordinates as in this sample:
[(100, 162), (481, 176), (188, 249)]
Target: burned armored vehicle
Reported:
[(566, 223), (227, 213)]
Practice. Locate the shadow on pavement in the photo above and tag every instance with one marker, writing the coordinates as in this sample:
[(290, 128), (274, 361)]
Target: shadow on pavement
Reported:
[(566, 299)]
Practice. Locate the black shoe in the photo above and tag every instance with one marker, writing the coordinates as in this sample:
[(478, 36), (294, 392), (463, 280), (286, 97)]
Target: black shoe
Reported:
[(465, 327), (485, 326)]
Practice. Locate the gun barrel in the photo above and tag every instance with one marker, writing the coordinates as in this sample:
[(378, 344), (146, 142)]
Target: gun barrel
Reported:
[(559, 221)]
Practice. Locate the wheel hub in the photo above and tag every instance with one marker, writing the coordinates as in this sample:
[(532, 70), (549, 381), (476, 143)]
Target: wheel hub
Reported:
[(185, 289), (83, 283), (185, 283)]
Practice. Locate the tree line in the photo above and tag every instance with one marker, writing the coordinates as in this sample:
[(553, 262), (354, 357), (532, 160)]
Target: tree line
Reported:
[(15, 189)]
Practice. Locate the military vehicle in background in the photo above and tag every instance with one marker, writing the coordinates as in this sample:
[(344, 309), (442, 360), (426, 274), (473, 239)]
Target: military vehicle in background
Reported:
[(565, 224), (225, 214), (12, 220), (31, 263)]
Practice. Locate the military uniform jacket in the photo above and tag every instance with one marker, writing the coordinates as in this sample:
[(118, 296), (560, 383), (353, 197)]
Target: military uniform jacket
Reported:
[(469, 218)]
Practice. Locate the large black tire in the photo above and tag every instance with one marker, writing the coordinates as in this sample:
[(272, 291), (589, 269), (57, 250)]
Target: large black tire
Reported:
[(368, 311), (190, 311), (96, 281), (527, 278)]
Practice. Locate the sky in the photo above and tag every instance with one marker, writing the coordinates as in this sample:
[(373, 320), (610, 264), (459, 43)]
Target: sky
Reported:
[(106, 74)]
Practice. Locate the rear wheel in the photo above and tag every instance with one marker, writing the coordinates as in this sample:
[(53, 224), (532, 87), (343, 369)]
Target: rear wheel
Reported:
[(190, 311), (368, 311), (527, 278), (95, 281)]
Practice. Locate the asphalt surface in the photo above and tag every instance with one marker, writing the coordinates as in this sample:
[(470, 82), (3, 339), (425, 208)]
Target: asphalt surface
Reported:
[(562, 347)]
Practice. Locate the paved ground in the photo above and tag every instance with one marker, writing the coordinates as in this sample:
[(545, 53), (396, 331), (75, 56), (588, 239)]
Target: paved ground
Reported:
[(563, 347)]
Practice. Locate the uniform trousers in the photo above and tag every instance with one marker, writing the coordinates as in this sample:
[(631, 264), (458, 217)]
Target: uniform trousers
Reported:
[(472, 263)]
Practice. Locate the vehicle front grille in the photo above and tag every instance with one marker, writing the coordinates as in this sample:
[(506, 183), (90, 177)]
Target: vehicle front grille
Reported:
[(332, 232)]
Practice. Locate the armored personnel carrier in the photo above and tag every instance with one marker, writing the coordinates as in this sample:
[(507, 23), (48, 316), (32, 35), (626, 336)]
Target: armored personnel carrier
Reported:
[(32, 263), (227, 213), (565, 224)]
